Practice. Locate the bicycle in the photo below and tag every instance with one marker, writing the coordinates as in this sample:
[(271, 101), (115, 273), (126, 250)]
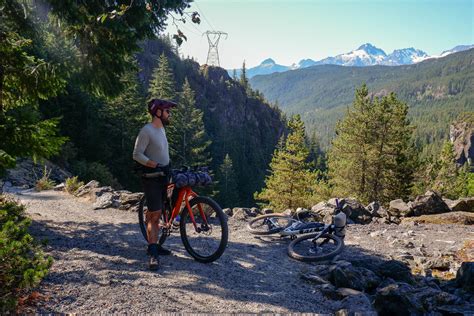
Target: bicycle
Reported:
[(203, 224), (318, 242)]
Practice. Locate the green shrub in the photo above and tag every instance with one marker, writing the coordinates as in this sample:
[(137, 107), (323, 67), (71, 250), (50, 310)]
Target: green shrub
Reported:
[(22, 263), (72, 184), (88, 171), (44, 183)]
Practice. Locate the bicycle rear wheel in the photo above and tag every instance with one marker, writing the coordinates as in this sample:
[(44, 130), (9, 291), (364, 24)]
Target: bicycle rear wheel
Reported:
[(310, 248), (207, 241), (269, 224), (142, 210)]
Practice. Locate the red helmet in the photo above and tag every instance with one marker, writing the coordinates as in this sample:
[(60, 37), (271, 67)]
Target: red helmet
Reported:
[(159, 104)]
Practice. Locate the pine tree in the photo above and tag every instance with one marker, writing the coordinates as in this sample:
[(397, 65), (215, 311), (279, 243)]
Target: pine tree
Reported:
[(348, 158), (122, 118), (228, 190), (162, 85), (187, 135), (244, 81), (290, 181), (448, 176), (372, 157)]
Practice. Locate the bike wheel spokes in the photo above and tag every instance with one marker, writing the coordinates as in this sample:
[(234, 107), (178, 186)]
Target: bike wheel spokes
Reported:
[(204, 238), (269, 224), (315, 247)]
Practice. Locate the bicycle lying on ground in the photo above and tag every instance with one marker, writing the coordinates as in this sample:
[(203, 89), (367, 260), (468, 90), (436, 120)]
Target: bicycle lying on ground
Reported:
[(202, 225), (318, 241)]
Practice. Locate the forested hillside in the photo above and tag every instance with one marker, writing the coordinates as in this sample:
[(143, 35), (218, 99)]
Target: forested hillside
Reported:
[(101, 133), (436, 92)]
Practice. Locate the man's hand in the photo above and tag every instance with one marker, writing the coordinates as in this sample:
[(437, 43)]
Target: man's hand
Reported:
[(152, 164)]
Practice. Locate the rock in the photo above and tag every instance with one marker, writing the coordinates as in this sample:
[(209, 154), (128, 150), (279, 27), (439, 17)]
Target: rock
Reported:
[(470, 203), (357, 278), (97, 192), (458, 205), (59, 187), (398, 208), (431, 298), (458, 218), (254, 212), (241, 213), (462, 309), (87, 188), (107, 199), (323, 209), (26, 173), (129, 201), (461, 134), (395, 299), (465, 276), (356, 211), (373, 208), (228, 211), (329, 291), (267, 211), (356, 304), (439, 263), (397, 271), (429, 203), (313, 278)]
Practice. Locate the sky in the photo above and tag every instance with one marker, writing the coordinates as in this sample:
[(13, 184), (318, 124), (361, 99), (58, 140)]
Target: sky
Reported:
[(291, 30)]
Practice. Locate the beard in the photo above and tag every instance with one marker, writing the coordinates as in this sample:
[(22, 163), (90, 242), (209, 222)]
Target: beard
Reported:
[(165, 121)]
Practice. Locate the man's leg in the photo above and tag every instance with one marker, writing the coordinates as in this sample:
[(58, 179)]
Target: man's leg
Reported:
[(153, 226)]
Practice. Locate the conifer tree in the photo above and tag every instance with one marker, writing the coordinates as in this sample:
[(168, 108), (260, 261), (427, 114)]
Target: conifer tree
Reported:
[(162, 85), (348, 158), (290, 181), (188, 139), (123, 117), (244, 81), (449, 178), (228, 190), (372, 157)]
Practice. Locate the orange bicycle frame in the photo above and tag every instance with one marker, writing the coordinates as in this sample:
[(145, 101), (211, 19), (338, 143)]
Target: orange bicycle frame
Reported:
[(184, 194)]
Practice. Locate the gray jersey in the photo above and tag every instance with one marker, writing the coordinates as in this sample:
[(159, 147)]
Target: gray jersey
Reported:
[(151, 144)]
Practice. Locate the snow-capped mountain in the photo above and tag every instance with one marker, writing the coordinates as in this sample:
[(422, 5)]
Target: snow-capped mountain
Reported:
[(405, 56), (365, 55)]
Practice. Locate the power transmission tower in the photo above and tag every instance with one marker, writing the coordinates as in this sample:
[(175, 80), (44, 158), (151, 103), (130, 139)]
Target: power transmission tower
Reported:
[(213, 38)]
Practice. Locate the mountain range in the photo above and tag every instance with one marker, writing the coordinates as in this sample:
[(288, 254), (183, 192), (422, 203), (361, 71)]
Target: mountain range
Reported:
[(437, 90), (365, 55)]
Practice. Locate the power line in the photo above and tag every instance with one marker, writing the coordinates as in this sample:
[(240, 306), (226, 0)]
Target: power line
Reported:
[(202, 13)]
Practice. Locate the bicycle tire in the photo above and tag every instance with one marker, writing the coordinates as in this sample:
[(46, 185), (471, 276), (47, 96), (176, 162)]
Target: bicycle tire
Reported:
[(262, 218), (190, 237), (296, 254), (141, 221)]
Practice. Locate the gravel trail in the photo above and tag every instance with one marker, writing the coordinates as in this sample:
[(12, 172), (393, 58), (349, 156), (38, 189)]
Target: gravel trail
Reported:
[(100, 264)]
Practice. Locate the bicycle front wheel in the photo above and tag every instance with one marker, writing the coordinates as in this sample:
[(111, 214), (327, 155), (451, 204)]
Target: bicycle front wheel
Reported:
[(142, 210), (310, 247), (205, 239), (269, 224)]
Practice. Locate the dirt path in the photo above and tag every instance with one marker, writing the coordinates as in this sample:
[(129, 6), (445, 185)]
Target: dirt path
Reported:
[(101, 266)]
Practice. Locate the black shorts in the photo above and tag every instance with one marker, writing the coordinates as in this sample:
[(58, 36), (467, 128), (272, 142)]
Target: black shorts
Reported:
[(155, 192)]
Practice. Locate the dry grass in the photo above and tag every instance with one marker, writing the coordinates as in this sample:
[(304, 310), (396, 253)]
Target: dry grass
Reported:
[(459, 218)]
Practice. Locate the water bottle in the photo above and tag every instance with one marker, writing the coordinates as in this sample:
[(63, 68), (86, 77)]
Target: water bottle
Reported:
[(176, 221), (340, 221)]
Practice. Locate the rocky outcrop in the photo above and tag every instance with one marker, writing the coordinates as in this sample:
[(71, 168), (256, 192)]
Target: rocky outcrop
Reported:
[(461, 135), (429, 203), (26, 174)]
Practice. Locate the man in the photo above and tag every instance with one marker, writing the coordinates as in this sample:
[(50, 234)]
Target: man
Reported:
[(152, 152)]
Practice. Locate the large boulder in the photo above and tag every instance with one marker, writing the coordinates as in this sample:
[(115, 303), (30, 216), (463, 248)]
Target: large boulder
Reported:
[(87, 188), (129, 201), (358, 278), (429, 203), (458, 218), (398, 208), (107, 199), (396, 299), (465, 276), (397, 271), (356, 211)]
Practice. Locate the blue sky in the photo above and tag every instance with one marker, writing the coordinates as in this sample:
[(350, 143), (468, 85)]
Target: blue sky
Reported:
[(289, 31)]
